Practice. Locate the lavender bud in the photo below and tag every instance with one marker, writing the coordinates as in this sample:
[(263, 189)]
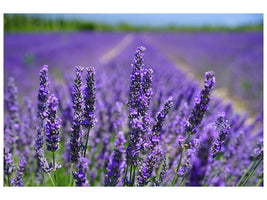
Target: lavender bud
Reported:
[(201, 104), (52, 125), (116, 163), (81, 175), (223, 129), (158, 124), (89, 99), (42, 162), (43, 92), (163, 172), (17, 180), (147, 168), (75, 143)]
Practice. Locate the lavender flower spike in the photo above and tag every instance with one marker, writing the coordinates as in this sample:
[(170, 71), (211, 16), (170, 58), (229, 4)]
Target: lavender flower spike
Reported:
[(52, 125), (42, 162), (75, 143), (201, 104), (117, 163), (8, 148), (136, 121), (81, 175), (12, 107), (89, 99), (43, 92), (224, 129), (147, 168), (17, 180), (161, 116), (89, 103), (136, 83)]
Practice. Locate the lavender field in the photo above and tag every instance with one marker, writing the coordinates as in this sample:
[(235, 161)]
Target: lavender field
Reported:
[(133, 109)]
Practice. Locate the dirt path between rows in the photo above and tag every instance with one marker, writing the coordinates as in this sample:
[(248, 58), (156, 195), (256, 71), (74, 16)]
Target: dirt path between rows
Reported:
[(112, 53)]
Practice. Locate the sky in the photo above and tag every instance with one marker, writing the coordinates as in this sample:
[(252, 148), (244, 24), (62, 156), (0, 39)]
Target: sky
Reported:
[(156, 20)]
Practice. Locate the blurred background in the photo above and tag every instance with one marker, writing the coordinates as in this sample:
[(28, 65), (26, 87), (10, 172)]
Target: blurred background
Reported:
[(231, 45), (132, 22)]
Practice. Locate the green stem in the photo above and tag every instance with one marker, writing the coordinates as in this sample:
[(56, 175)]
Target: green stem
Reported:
[(178, 167), (54, 163), (71, 168), (87, 137), (131, 171), (245, 173), (182, 181), (133, 176), (252, 172), (51, 179), (43, 178), (126, 171), (259, 181), (8, 180)]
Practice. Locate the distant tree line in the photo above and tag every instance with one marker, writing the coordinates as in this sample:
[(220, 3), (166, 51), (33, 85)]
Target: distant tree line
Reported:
[(38, 23)]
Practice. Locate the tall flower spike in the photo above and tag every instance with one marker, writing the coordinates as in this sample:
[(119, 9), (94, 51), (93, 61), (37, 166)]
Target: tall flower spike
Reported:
[(136, 83), (117, 162), (89, 99), (201, 104), (52, 125), (75, 143), (43, 92), (81, 175), (17, 180), (134, 102)]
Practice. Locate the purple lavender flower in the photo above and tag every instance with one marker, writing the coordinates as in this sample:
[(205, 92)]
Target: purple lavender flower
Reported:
[(17, 180), (8, 148), (201, 164), (136, 79), (75, 143), (117, 162), (147, 92), (135, 144), (138, 107), (201, 104), (147, 168), (43, 93), (223, 129), (13, 110), (42, 162), (163, 172), (145, 100), (81, 175), (158, 124), (52, 125), (89, 99)]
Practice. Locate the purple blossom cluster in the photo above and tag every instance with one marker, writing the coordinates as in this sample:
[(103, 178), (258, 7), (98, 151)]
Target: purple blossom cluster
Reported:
[(81, 175), (52, 125), (75, 141), (171, 137)]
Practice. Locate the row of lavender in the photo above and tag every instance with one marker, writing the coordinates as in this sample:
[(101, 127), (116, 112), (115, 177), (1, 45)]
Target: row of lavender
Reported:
[(166, 133), (237, 57)]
